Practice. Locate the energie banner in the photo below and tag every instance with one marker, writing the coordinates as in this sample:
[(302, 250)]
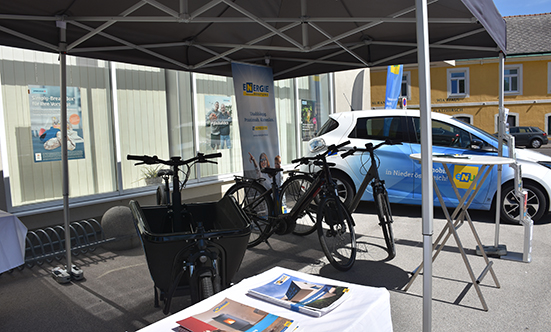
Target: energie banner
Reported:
[(254, 95)]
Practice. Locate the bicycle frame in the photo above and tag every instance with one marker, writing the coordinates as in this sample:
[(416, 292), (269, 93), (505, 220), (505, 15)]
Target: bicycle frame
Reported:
[(322, 179), (371, 175), (380, 196)]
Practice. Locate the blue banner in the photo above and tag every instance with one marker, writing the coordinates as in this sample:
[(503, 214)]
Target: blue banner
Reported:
[(393, 85), (254, 96)]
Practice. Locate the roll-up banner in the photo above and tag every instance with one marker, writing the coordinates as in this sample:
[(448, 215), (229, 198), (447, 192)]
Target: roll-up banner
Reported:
[(254, 96)]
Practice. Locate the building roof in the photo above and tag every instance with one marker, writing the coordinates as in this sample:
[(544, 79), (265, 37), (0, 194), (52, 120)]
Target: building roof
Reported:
[(528, 34)]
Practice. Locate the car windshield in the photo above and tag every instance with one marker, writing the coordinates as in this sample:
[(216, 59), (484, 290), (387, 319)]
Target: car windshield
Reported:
[(328, 126)]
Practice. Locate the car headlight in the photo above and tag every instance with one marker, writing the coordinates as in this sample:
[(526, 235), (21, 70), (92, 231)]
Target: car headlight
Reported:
[(545, 163), (316, 144)]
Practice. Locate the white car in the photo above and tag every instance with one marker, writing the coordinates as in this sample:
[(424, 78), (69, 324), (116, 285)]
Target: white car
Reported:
[(402, 175)]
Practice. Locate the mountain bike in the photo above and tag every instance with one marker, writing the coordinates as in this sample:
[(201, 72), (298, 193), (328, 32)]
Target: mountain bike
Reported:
[(301, 193), (380, 195), (195, 247)]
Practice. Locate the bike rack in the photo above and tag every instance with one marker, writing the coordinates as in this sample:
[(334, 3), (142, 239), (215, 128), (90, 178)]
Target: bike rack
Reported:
[(48, 243)]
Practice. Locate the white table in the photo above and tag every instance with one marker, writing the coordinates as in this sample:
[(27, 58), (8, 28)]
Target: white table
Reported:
[(367, 309), (461, 211), (12, 241)]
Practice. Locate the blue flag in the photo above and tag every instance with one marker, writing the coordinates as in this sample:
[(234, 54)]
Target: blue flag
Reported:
[(393, 85)]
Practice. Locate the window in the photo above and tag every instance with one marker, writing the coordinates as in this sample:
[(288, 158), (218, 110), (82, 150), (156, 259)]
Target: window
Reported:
[(467, 118), (379, 128), (458, 83), (512, 79), (405, 89), (327, 127), (512, 120), (445, 134), (549, 77)]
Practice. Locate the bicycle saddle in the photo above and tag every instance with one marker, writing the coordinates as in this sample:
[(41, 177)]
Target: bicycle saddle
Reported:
[(271, 171), (163, 172)]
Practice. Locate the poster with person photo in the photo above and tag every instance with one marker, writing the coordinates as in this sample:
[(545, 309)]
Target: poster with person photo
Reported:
[(218, 121), (309, 119)]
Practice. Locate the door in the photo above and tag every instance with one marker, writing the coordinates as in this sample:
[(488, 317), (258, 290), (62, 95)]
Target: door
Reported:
[(394, 165), (448, 138)]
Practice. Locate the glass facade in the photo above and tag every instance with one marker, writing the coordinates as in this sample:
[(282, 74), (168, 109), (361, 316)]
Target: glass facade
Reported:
[(122, 109)]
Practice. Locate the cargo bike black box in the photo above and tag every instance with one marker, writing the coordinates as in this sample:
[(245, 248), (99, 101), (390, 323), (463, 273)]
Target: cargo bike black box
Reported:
[(208, 250)]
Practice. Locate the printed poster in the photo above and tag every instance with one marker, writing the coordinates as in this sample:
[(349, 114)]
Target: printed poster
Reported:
[(218, 121), (45, 108), (309, 119), (254, 86)]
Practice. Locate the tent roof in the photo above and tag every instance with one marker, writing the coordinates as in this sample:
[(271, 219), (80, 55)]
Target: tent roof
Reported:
[(296, 38)]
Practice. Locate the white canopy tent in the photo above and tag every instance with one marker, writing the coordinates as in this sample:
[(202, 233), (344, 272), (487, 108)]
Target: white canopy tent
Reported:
[(295, 38)]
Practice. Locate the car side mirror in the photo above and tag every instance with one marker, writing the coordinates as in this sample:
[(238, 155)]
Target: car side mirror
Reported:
[(476, 144)]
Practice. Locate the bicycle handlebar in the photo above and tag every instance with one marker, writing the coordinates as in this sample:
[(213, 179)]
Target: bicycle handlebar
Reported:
[(330, 149), (174, 161), (369, 147)]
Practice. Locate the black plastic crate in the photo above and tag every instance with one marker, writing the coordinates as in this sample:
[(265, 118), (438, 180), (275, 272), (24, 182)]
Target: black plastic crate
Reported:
[(227, 229)]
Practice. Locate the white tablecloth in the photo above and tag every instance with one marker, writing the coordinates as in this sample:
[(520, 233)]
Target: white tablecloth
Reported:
[(12, 241), (367, 308)]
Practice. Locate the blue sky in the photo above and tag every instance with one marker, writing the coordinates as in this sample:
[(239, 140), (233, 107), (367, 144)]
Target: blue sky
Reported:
[(522, 7)]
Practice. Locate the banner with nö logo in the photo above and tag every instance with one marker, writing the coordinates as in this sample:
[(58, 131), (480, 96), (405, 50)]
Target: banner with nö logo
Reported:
[(254, 96), (463, 176)]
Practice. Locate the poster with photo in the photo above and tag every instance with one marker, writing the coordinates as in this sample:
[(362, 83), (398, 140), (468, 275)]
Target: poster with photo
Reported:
[(218, 120), (45, 108), (309, 119)]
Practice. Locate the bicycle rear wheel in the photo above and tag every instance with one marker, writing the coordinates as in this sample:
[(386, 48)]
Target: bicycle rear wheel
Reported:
[(385, 221), (258, 207), (291, 191), (336, 233)]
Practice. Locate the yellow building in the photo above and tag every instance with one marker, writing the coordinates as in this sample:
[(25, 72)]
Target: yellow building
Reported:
[(469, 89)]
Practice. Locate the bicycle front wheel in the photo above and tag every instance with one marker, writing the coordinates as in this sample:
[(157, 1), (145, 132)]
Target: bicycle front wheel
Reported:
[(336, 233), (292, 190), (207, 288), (385, 221), (257, 205)]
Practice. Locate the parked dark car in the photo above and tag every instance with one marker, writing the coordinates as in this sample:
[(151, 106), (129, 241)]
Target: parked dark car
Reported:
[(531, 137)]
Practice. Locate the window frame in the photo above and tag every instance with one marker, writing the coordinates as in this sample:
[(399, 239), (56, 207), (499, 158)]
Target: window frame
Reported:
[(519, 79), (549, 77), (449, 73)]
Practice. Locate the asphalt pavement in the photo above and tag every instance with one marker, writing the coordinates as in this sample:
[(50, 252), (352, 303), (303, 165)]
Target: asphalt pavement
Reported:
[(117, 291)]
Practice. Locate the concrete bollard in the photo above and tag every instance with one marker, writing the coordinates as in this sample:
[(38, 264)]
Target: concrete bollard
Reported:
[(117, 222)]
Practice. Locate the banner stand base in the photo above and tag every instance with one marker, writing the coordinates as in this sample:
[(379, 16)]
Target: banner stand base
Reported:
[(493, 251)]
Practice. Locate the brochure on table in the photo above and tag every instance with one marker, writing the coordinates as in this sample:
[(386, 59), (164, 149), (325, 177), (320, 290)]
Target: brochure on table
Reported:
[(305, 296), (365, 306), (232, 316)]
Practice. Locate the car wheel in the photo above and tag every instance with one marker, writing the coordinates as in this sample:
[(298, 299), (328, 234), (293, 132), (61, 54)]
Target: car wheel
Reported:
[(536, 143), (536, 204), (344, 188)]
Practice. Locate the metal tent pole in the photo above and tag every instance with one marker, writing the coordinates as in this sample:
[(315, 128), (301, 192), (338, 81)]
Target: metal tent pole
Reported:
[(64, 158), (59, 274), (501, 251), (423, 60)]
